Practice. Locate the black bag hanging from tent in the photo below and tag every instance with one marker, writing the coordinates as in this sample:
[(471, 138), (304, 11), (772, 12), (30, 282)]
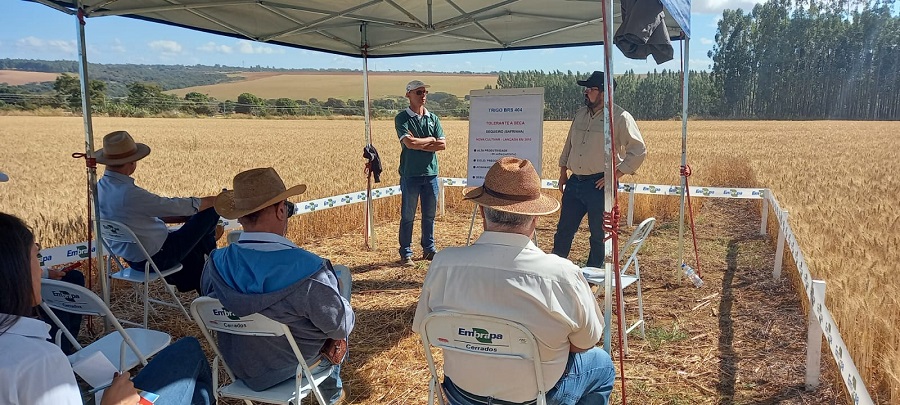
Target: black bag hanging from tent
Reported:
[(643, 31)]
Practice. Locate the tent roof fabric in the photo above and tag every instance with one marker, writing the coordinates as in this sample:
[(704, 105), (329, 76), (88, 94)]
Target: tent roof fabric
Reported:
[(393, 27)]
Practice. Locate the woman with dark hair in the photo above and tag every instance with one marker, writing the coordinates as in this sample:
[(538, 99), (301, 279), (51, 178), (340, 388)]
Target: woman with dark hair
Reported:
[(33, 371)]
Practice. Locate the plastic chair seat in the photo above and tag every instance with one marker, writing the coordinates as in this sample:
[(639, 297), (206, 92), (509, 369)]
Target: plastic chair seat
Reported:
[(149, 342), (596, 276), (280, 394), (137, 276)]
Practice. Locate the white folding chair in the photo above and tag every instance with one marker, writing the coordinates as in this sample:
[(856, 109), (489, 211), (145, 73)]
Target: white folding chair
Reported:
[(143, 343), (119, 232), (210, 315), (630, 250), (508, 340), (233, 236)]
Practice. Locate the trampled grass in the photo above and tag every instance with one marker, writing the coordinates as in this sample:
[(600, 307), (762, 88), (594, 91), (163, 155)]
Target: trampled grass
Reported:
[(342, 86), (837, 179)]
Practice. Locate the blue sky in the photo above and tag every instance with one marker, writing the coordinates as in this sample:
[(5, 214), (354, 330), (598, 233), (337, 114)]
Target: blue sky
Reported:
[(34, 31)]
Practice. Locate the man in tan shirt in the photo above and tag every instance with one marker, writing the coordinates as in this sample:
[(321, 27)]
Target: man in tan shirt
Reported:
[(584, 154)]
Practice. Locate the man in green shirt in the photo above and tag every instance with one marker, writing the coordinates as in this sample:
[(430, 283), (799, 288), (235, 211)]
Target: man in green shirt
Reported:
[(420, 136)]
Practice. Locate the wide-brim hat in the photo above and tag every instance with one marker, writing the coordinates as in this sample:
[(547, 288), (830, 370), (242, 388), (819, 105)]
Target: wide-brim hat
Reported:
[(120, 148), (597, 79), (512, 185), (252, 191)]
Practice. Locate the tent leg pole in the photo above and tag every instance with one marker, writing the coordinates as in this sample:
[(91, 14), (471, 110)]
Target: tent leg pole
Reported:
[(89, 152), (685, 77), (370, 206)]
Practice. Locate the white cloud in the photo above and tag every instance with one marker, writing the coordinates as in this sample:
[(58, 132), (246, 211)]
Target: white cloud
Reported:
[(706, 41), (47, 45), (213, 47), (716, 6), (117, 46), (247, 47), (166, 47)]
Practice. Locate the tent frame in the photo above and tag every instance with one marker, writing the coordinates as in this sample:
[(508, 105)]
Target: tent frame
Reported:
[(441, 28)]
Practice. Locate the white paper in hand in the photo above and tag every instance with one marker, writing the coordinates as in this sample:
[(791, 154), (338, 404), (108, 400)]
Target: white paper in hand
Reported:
[(95, 369)]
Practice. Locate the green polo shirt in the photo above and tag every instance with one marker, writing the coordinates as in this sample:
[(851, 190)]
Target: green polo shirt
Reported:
[(418, 162)]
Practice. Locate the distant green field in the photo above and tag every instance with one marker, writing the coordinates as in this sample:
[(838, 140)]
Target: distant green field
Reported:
[(303, 86)]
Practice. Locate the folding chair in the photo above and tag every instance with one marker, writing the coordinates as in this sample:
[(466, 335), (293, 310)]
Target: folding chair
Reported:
[(508, 340), (119, 232), (631, 248), (143, 343), (210, 315)]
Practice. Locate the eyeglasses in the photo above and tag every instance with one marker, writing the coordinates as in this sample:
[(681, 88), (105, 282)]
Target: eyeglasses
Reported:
[(421, 92), (290, 208), (587, 89)]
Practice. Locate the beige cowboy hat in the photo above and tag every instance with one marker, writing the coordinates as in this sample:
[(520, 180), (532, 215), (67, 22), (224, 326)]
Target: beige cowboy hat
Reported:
[(254, 190), (512, 185), (119, 148)]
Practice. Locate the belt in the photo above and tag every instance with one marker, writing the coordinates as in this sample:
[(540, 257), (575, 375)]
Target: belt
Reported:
[(583, 177), (478, 399)]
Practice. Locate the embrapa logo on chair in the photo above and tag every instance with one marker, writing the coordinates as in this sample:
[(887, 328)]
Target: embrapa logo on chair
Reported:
[(226, 313), (481, 335)]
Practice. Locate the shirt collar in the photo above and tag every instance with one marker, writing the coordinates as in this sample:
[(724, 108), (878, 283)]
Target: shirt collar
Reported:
[(413, 113), (266, 237), (505, 239), (118, 176), (30, 327)]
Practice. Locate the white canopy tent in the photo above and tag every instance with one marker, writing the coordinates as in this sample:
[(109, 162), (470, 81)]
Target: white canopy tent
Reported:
[(390, 28)]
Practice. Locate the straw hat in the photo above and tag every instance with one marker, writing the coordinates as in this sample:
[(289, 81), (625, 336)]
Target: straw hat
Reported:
[(119, 148), (254, 190), (512, 185)]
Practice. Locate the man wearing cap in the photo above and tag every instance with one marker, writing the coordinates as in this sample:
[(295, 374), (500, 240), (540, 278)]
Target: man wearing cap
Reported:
[(584, 154), (147, 214), (265, 273), (421, 136), (503, 274)]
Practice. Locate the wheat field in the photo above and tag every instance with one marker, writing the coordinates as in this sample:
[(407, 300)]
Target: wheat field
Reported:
[(838, 180), (342, 86)]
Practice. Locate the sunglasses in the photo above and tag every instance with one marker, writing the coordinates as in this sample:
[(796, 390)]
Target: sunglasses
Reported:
[(290, 207), (421, 92)]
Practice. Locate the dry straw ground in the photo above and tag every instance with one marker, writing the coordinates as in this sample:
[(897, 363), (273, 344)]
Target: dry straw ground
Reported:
[(343, 86), (837, 179)]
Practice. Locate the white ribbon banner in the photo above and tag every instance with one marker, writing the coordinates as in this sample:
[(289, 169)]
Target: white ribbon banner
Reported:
[(78, 251)]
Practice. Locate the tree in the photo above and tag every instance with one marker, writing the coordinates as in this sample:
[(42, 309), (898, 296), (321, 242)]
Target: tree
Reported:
[(248, 103), (68, 92), (149, 97)]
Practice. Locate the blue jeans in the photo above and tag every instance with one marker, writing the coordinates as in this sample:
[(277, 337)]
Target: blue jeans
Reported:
[(332, 386), (187, 245), (413, 189), (179, 374), (587, 380), (581, 197)]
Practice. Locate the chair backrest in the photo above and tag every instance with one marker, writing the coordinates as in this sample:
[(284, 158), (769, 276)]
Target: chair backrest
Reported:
[(211, 315), (234, 236), (483, 336), (631, 248), (72, 298), (114, 231), (76, 299)]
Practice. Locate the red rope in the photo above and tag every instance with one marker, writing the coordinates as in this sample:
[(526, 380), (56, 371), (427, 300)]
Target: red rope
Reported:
[(611, 219), (686, 172), (81, 16), (91, 164)]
